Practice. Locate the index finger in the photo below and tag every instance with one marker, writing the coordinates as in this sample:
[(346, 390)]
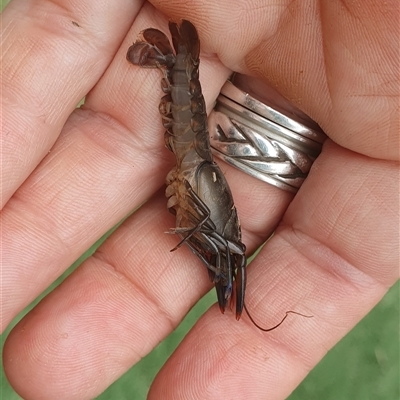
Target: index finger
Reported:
[(52, 55)]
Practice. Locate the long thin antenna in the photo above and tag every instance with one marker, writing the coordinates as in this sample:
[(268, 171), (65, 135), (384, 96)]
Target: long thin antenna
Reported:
[(277, 325)]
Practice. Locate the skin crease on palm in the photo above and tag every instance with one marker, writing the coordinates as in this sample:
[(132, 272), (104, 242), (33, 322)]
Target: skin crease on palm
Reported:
[(70, 175)]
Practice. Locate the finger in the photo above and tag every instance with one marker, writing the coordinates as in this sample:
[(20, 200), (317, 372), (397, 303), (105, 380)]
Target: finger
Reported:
[(109, 159), (108, 314), (52, 54), (343, 75), (95, 175), (121, 302), (336, 272)]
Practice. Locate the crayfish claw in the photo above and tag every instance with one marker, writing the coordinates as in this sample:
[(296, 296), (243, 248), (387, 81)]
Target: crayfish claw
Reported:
[(240, 286), (220, 289)]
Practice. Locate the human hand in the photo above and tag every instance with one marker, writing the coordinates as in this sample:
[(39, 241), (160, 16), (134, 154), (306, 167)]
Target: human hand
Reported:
[(333, 255)]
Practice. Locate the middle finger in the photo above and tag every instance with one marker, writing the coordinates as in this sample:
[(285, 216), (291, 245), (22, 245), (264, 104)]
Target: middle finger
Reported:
[(96, 173)]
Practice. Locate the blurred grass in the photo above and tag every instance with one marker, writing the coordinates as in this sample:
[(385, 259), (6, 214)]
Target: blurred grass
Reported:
[(3, 3), (362, 366)]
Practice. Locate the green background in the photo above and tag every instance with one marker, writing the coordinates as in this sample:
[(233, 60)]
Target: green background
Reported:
[(362, 366)]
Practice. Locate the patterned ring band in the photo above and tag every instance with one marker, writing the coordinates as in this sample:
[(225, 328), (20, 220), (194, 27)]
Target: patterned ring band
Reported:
[(262, 141)]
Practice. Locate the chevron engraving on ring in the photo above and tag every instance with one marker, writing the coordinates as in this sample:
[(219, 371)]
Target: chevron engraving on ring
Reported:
[(262, 155)]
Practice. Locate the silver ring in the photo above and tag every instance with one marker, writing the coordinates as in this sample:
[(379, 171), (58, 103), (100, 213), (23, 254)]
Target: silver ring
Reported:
[(263, 141)]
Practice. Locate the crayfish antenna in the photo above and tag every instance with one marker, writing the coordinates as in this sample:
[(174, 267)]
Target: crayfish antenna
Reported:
[(278, 324)]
